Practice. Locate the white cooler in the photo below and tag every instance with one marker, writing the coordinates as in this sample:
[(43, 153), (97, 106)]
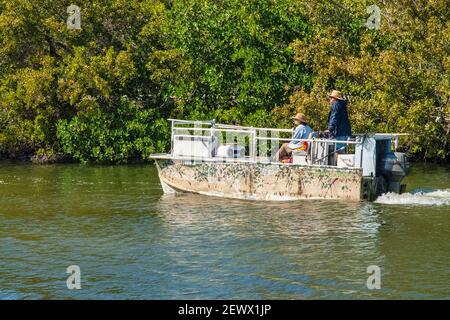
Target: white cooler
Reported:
[(230, 151), (345, 160), (197, 147), (299, 157)]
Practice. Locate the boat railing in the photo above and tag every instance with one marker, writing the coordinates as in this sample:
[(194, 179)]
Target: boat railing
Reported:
[(261, 143)]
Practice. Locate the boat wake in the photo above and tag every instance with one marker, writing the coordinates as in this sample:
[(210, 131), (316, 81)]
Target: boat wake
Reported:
[(417, 197)]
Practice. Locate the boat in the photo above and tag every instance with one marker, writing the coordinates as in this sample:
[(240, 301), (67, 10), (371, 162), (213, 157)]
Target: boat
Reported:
[(237, 162)]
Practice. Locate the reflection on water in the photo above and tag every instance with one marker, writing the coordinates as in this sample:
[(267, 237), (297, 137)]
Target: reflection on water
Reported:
[(133, 242), (288, 249), (284, 219)]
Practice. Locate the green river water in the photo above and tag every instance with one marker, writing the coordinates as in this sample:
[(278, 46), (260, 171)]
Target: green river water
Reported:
[(132, 242)]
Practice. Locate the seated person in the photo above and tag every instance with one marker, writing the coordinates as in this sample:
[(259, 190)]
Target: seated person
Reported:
[(302, 131)]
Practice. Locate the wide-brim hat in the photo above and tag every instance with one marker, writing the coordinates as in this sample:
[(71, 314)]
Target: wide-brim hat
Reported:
[(336, 94), (300, 117)]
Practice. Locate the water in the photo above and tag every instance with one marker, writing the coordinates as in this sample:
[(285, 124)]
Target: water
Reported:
[(417, 197), (132, 242)]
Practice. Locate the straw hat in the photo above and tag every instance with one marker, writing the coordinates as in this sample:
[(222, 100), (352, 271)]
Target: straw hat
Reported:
[(336, 94), (300, 117)]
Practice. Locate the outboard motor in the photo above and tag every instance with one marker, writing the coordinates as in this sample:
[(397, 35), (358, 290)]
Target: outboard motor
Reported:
[(383, 169), (394, 167)]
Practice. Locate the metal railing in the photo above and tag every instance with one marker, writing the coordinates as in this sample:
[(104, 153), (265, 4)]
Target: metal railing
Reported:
[(195, 130)]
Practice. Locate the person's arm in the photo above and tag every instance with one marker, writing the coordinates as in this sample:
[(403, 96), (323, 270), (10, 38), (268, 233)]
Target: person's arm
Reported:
[(332, 124), (298, 134)]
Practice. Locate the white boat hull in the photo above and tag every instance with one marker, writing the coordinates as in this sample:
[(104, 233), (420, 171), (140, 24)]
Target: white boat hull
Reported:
[(260, 181)]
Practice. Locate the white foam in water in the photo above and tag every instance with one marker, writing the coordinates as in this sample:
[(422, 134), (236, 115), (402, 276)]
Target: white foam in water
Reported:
[(426, 198)]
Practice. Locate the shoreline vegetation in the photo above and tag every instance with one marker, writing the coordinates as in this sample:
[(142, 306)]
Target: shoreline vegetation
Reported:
[(102, 93), (62, 159)]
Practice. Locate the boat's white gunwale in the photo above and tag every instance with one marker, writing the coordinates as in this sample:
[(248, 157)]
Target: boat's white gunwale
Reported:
[(248, 161)]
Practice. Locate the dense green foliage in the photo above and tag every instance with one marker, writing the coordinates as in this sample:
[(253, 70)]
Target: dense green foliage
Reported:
[(103, 93)]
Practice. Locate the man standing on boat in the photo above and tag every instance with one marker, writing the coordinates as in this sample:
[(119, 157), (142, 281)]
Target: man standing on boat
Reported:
[(338, 122), (302, 131)]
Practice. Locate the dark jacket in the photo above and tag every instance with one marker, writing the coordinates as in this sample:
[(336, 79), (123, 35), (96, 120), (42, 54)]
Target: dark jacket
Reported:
[(338, 122)]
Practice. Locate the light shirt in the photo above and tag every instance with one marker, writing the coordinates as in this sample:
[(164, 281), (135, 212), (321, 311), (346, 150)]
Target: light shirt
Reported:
[(301, 132)]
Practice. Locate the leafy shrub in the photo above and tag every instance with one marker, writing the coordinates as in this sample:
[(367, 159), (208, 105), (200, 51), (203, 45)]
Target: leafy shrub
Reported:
[(115, 136)]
